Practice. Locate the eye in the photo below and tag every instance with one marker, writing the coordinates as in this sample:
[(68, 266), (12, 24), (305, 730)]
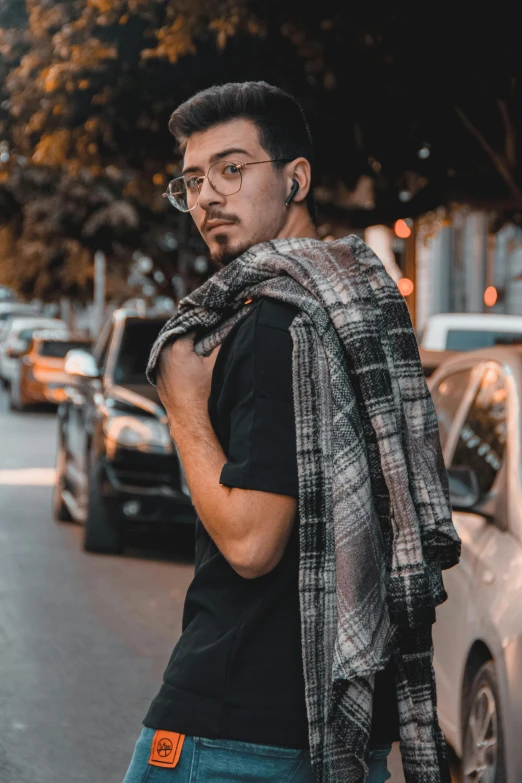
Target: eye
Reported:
[(231, 169), (192, 183)]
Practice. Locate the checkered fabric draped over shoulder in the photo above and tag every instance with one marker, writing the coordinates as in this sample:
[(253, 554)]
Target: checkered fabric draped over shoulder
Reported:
[(375, 518)]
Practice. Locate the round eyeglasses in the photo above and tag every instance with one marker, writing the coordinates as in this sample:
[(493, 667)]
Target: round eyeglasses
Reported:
[(224, 176)]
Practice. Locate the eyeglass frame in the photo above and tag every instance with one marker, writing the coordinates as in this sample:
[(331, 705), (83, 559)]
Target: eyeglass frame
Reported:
[(202, 177)]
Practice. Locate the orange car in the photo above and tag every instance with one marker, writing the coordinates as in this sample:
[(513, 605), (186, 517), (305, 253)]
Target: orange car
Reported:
[(41, 377)]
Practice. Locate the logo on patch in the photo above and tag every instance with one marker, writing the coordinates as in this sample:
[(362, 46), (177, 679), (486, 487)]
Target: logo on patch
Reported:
[(164, 747)]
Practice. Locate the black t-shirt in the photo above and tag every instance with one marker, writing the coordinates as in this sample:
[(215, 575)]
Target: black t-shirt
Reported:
[(236, 671)]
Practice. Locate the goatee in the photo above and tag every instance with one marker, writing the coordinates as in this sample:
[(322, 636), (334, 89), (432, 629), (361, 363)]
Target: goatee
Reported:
[(226, 255)]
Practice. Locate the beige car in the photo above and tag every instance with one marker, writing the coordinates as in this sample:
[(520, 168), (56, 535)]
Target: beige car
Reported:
[(478, 633)]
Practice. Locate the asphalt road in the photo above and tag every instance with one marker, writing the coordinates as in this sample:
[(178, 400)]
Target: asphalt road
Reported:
[(83, 638)]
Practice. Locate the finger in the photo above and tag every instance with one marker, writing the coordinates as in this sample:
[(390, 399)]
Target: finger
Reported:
[(186, 344), (210, 360)]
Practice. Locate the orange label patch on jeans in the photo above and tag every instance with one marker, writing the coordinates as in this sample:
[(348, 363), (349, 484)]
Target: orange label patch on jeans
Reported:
[(166, 749)]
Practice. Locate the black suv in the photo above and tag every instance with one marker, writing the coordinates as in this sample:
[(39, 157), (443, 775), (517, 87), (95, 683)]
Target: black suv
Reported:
[(117, 465)]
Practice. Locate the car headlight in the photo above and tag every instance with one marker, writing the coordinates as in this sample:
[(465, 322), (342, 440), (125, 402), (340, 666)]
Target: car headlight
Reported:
[(137, 432)]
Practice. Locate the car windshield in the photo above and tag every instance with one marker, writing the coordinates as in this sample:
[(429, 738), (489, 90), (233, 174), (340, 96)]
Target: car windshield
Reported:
[(24, 335), (5, 314), (58, 349), (468, 340), (133, 355)]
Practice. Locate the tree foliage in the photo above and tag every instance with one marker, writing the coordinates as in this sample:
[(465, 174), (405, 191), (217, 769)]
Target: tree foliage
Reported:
[(407, 113)]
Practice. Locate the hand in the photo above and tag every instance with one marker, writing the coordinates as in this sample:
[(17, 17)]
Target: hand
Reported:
[(184, 381)]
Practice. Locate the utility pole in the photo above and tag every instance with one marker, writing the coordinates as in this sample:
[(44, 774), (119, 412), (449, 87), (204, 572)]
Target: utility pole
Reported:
[(99, 293)]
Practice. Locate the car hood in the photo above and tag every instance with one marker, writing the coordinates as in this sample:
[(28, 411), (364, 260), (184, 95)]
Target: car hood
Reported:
[(143, 390), (140, 396)]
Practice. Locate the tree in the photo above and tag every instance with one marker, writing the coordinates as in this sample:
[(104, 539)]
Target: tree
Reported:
[(406, 113)]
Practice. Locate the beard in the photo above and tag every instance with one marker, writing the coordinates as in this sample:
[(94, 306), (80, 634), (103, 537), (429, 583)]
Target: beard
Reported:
[(227, 252)]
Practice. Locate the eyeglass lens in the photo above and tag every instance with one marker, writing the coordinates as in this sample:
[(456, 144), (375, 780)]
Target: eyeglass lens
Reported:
[(224, 176)]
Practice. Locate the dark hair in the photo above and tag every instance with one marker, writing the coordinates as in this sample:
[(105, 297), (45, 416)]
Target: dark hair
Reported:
[(283, 130)]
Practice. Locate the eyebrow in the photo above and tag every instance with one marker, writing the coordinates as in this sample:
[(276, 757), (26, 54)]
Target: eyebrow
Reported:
[(217, 156)]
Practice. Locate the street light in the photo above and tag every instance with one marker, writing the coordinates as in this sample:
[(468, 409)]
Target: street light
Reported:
[(490, 296)]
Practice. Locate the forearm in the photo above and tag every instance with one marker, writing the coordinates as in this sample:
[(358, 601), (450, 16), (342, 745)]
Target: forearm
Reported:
[(221, 509), (250, 528), (203, 458)]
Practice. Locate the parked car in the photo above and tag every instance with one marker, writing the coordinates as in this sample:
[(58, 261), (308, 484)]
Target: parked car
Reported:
[(10, 309), (469, 331), (15, 341), (117, 466), (7, 294), (478, 633), (430, 360), (41, 376)]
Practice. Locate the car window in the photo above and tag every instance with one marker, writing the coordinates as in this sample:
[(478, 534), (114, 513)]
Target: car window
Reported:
[(469, 339), (58, 349), (133, 355), (482, 439), (11, 314), (447, 398), (25, 333)]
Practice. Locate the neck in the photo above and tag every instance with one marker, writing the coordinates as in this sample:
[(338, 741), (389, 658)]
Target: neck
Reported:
[(298, 225)]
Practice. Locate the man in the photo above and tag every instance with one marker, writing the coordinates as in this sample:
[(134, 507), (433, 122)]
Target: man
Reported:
[(235, 704)]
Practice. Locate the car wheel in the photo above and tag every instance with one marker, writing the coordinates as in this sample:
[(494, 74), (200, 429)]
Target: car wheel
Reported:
[(60, 510), (483, 748), (101, 532)]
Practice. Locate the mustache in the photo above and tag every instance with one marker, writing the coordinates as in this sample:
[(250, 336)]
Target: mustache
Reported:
[(219, 216)]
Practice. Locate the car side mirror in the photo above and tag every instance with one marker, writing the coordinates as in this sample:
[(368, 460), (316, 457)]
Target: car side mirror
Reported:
[(463, 487), (81, 364)]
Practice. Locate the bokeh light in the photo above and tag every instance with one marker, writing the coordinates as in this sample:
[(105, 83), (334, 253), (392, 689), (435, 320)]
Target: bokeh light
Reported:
[(490, 296), (402, 229), (405, 286)]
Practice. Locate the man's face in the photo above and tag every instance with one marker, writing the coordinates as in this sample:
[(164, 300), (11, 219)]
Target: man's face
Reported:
[(256, 213)]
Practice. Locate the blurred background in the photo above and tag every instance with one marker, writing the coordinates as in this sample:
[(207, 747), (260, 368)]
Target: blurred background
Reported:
[(416, 119)]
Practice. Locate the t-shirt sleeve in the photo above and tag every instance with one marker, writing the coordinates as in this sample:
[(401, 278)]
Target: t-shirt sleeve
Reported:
[(262, 447)]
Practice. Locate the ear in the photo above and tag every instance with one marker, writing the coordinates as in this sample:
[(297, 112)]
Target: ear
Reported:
[(300, 171)]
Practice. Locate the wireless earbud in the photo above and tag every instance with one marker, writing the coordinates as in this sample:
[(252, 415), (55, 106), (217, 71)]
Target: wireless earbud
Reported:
[(291, 195)]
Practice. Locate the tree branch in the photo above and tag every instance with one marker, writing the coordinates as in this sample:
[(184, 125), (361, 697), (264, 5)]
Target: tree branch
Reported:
[(497, 158), (511, 135)]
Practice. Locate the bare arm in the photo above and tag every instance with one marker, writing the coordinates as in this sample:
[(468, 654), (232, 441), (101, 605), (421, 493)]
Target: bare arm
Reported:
[(249, 527)]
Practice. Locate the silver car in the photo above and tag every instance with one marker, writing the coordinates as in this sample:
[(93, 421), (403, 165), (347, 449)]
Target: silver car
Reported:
[(478, 633)]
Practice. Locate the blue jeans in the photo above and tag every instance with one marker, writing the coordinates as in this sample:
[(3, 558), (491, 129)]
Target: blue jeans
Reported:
[(227, 761), (377, 760)]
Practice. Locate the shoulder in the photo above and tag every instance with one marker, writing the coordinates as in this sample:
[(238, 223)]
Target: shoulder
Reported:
[(268, 323), (275, 314), (260, 345), (264, 316)]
